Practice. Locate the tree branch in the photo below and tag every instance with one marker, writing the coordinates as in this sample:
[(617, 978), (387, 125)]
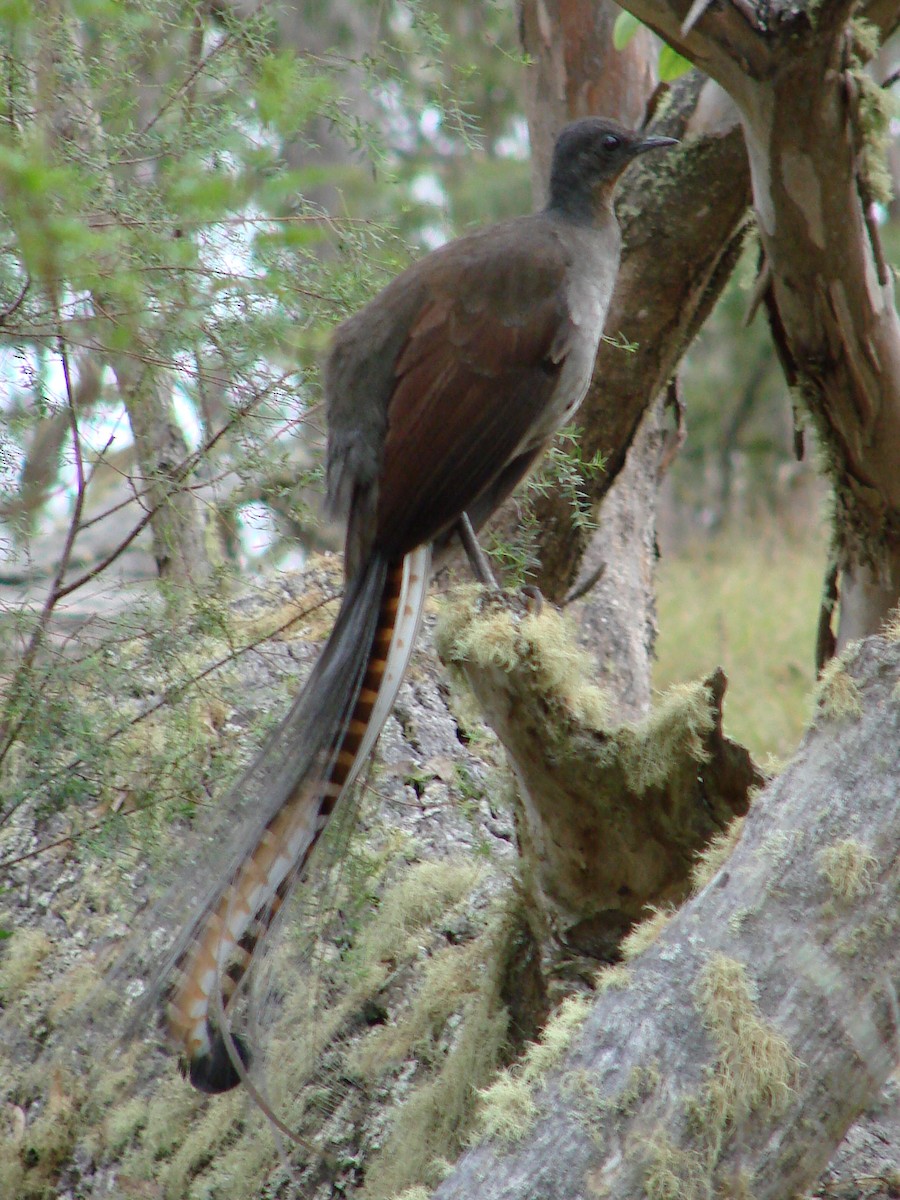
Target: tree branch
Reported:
[(839, 332), (742, 1044)]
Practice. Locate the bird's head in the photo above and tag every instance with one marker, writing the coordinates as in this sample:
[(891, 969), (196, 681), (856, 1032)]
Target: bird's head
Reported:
[(588, 158)]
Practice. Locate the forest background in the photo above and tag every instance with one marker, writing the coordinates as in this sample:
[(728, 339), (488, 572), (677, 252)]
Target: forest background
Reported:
[(192, 195)]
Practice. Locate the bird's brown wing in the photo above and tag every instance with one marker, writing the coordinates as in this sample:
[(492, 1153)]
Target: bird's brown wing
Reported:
[(474, 386)]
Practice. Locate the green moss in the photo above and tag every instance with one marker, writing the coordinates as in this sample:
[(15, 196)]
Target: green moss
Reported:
[(473, 627), (864, 937), (848, 868), (739, 916), (754, 1071), (424, 895), (641, 1083), (677, 724), (124, 1122), (672, 1173), (169, 1115), (779, 847), (12, 1174), (47, 1141), (618, 976), (876, 108), (23, 954), (450, 977), (507, 1110), (202, 1146), (460, 1002), (555, 1039)]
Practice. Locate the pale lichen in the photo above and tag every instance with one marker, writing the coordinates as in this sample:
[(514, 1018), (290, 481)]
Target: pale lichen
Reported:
[(23, 953), (875, 109), (837, 695), (472, 629), (848, 868), (676, 727), (672, 1172), (646, 932), (891, 629), (755, 1069), (612, 978), (714, 855), (507, 1108)]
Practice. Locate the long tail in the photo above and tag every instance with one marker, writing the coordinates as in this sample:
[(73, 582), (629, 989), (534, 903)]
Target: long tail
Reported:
[(310, 762)]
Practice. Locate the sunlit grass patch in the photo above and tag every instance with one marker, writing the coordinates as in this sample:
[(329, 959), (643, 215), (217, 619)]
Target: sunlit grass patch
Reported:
[(750, 604)]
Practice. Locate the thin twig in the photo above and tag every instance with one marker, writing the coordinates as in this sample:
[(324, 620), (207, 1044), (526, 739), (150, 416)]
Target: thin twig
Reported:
[(12, 308), (55, 593), (168, 696)]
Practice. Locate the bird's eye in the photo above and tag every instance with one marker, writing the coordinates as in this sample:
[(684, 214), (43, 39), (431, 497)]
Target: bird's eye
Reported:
[(609, 141)]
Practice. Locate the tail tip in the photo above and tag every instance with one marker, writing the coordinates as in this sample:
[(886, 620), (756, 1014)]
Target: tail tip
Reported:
[(214, 1071)]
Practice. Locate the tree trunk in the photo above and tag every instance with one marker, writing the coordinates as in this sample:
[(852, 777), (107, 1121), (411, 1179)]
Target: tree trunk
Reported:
[(69, 115), (610, 815), (813, 122), (741, 1045)]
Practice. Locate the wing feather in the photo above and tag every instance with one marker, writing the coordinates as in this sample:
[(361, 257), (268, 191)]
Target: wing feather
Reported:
[(473, 388)]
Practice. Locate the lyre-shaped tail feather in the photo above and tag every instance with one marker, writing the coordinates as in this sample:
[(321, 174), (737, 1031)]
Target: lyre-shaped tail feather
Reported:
[(319, 749)]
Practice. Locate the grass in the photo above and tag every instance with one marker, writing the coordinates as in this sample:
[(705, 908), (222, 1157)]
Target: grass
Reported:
[(748, 603)]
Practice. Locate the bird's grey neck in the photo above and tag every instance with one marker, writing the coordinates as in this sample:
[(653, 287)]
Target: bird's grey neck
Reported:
[(579, 206)]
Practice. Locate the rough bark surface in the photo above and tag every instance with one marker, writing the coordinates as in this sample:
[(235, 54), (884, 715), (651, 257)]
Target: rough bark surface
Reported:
[(610, 816), (746, 1041), (828, 291), (616, 615)]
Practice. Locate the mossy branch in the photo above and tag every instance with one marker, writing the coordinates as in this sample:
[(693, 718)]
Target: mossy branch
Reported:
[(737, 1052), (612, 815)]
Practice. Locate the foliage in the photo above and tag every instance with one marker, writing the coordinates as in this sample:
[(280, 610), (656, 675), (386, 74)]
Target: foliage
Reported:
[(167, 269), (563, 469), (671, 64)]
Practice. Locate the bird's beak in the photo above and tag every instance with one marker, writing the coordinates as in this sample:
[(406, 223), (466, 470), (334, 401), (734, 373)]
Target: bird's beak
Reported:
[(653, 143)]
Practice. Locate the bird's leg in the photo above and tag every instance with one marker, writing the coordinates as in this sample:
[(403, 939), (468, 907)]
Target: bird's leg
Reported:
[(481, 568)]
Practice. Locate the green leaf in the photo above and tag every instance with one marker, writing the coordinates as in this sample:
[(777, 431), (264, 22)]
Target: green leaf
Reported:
[(289, 93), (198, 193), (16, 12), (95, 10), (624, 29), (672, 64)]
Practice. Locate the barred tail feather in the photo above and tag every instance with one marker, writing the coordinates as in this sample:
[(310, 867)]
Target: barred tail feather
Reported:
[(316, 753)]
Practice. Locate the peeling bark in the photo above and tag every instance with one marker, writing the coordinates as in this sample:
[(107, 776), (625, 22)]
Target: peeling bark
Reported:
[(793, 75)]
